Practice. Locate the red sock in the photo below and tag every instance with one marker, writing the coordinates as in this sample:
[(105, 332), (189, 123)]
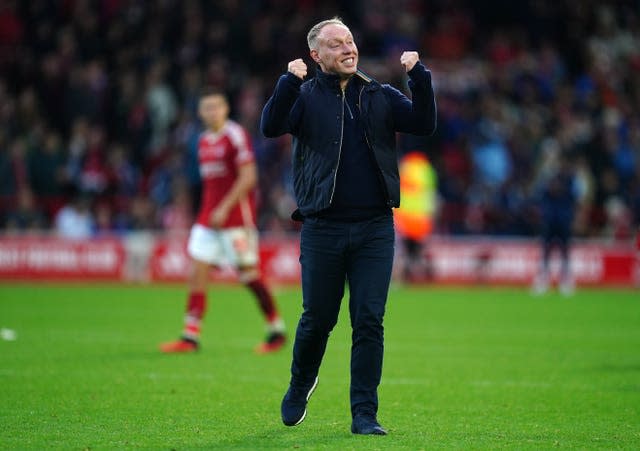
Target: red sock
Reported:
[(264, 298), (196, 306)]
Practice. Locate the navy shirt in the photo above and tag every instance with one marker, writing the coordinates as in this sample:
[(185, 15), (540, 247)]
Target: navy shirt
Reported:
[(359, 192), (559, 199)]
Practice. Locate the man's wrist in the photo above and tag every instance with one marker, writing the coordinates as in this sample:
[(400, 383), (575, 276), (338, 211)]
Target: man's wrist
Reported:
[(293, 79), (417, 69)]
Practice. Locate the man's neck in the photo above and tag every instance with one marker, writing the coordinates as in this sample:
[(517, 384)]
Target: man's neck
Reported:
[(215, 128), (344, 80)]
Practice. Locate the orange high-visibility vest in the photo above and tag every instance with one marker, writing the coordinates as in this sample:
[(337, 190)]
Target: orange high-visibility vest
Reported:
[(414, 217)]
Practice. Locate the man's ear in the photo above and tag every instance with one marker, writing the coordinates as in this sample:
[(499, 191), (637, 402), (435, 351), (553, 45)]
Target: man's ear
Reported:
[(314, 55)]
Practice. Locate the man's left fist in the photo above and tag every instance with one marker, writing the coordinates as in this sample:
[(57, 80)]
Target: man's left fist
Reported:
[(409, 59)]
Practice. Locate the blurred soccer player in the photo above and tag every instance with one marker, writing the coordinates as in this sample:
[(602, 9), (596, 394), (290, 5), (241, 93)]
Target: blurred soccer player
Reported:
[(225, 230), (557, 197)]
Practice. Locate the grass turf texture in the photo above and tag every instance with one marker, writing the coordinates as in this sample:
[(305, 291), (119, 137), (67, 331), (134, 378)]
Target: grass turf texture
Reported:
[(465, 368)]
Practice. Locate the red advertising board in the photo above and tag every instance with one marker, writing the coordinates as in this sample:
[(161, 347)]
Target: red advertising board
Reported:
[(518, 261), (474, 260), (54, 258)]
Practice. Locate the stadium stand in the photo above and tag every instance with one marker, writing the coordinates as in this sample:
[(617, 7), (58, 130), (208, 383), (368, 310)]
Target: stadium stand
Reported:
[(98, 104)]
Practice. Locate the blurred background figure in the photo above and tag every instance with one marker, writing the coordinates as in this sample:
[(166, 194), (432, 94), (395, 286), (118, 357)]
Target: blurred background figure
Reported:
[(75, 219), (176, 217), (224, 232), (557, 203), (25, 217), (414, 219)]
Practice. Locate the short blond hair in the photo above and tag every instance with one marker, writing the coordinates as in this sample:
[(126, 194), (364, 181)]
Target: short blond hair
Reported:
[(312, 36)]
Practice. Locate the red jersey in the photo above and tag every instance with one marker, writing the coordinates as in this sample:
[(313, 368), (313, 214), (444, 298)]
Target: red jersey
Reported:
[(219, 156)]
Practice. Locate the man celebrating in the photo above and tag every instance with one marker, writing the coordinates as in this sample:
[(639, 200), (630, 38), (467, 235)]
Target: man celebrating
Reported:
[(346, 183), (225, 228)]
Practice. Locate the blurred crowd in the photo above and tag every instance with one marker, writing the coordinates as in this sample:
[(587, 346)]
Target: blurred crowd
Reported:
[(98, 100)]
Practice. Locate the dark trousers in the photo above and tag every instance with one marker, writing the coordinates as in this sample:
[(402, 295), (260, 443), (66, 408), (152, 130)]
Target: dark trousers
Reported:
[(556, 233), (360, 253)]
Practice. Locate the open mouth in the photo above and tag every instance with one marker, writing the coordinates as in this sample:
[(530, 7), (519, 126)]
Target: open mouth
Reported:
[(349, 61)]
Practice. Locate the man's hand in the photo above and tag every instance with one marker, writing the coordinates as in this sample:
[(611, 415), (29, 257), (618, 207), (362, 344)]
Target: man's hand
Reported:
[(409, 59), (218, 217), (298, 68)]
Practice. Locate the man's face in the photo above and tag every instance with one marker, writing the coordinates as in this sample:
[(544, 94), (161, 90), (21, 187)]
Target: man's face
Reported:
[(337, 52), (213, 111)]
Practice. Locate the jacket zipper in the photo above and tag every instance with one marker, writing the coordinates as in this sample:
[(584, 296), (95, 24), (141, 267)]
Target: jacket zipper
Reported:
[(366, 138), (348, 107), (335, 174)]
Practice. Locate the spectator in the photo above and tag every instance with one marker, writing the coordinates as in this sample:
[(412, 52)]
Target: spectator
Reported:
[(161, 105), (75, 220), (123, 175), (26, 217), (46, 164), (104, 223), (15, 168), (94, 174), (142, 214), (176, 217)]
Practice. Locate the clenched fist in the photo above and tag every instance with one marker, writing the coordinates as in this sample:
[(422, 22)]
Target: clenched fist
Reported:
[(409, 59), (298, 68)]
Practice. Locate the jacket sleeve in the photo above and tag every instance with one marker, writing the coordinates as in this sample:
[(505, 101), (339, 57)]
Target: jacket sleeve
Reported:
[(276, 116), (416, 116)]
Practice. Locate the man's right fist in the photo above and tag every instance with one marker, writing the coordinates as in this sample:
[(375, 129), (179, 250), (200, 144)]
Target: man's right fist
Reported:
[(298, 68)]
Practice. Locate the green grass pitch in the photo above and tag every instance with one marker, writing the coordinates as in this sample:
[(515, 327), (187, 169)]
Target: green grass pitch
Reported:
[(465, 368)]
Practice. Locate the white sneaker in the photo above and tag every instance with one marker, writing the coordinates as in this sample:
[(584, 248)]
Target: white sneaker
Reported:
[(567, 287), (540, 285)]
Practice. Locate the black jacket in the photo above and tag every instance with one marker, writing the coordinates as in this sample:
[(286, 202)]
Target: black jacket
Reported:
[(313, 113)]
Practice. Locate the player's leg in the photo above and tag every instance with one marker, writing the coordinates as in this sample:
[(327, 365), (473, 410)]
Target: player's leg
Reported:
[(542, 280), (204, 250), (567, 284), (369, 268), (241, 246), (322, 246), (276, 336), (412, 267)]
